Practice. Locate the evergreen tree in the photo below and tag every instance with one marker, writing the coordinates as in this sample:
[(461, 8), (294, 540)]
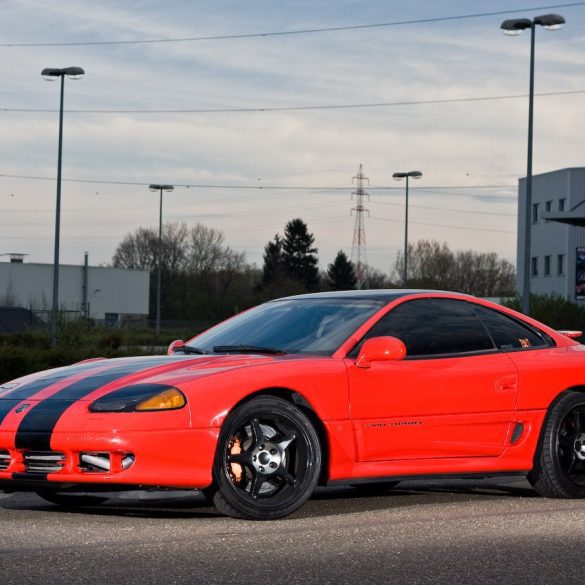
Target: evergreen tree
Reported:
[(298, 254), (273, 261), (341, 273)]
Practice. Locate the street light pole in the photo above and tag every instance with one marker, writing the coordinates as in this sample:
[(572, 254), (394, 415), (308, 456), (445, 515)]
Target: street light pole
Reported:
[(50, 73), (399, 177), (159, 188), (514, 27)]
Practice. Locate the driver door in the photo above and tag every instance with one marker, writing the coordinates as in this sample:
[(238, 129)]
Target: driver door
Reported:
[(453, 396)]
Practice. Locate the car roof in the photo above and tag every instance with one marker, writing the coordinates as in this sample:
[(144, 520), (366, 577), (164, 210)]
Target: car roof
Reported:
[(384, 294)]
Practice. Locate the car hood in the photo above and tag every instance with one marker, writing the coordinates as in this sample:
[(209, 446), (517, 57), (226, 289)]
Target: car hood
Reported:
[(79, 381)]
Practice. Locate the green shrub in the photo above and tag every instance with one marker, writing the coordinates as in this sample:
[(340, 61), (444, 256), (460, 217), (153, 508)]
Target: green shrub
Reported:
[(110, 340), (553, 310), (18, 361), (25, 353)]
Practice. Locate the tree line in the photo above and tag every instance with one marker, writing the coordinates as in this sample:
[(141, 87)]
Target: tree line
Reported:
[(203, 278)]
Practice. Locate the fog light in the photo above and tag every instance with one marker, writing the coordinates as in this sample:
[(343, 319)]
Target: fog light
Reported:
[(128, 461), (95, 461)]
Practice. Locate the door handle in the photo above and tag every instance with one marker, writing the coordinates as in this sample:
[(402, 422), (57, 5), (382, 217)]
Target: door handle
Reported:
[(507, 384)]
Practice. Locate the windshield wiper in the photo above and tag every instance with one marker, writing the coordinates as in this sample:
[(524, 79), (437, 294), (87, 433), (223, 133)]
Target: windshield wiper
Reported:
[(192, 349), (247, 349)]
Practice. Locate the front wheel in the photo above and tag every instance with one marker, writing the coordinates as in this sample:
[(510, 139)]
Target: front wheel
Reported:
[(268, 460), (559, 464)]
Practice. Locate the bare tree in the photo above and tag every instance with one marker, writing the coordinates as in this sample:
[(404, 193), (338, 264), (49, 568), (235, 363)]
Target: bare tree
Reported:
[(433, 265), (137, 250), (140, 248), (201, 275), (205, 251)]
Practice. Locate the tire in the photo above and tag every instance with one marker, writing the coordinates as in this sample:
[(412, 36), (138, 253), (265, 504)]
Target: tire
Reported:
[(268, 460), (559, 463), (70, 500)]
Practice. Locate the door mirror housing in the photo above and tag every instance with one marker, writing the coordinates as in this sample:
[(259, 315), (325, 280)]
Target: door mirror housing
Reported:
[(175, 346), (380, 349)]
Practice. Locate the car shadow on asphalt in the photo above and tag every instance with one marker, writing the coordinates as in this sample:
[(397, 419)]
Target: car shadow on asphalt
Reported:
[(169, 507), (327, 501), (371, 497)]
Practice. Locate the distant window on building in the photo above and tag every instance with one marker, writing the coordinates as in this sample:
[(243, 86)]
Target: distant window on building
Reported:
[(534, 266), (548, 205), (547, 265), (534, 212), (111, 319), (562, 204), (560, 264)]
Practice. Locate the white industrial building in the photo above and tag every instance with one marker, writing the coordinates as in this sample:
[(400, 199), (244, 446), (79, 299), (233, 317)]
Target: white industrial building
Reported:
[(558, 239), (110, 295)]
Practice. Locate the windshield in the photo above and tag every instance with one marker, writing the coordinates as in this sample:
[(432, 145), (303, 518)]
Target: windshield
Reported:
[(313, 326)]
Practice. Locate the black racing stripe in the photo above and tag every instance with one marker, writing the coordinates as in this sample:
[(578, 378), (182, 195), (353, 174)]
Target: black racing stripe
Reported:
[(12, 398), (17, 396), (24, 391), (36, 428)]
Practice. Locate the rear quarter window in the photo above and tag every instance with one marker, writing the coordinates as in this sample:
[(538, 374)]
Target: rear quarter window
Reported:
[(509, 333)]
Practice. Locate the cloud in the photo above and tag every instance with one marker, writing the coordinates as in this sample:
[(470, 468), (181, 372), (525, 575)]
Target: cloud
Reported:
[(453, 144)]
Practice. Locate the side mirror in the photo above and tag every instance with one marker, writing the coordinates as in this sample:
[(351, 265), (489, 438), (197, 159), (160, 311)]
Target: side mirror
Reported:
[(380, 349), (176, 346)]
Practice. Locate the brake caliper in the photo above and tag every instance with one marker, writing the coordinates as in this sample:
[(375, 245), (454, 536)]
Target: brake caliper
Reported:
[(235, 469)]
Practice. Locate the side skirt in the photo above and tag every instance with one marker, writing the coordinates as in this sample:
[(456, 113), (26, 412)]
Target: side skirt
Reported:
[(442, 476)]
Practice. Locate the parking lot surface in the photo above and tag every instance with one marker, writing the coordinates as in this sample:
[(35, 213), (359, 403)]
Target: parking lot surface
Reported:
[(489, 531)]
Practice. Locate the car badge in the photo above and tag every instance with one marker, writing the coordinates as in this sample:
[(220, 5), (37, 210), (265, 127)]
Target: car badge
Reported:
[(22, 408)]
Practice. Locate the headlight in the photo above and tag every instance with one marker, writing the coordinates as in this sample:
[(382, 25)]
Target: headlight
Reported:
[(140, 398)]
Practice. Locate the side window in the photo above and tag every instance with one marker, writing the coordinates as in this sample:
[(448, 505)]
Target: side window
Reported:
[(508, 333), (433, 327)]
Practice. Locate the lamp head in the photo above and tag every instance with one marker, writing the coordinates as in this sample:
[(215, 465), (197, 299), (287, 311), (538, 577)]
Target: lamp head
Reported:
[(51, 73), (550, 21), (515, 26), (161, 187), (411, 174)]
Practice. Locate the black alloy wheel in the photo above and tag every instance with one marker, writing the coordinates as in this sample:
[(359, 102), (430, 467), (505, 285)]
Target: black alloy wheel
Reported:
[(268, 460), (559, 465)]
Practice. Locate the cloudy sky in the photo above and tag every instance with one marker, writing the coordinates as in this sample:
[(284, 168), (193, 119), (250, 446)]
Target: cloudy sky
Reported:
[(263, 154)]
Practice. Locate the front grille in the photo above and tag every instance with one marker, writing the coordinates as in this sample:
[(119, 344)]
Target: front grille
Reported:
[(4, 459), (44, 461)]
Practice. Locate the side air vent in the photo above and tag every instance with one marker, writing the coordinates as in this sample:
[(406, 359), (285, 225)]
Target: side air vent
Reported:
[(4, 459), (44, 461), (516, 433)]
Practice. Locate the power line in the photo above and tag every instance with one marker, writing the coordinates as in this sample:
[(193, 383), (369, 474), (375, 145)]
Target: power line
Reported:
[(256, 227), (450, 209), (456, 227), (300, 108), (293, 32), (249, 187)]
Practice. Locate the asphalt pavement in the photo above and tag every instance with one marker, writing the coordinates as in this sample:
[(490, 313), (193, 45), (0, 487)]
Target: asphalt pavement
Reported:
[(489, 531)]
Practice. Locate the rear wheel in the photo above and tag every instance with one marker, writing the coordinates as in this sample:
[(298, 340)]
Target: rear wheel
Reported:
[(268, 460), (559, 464), (70, 500)]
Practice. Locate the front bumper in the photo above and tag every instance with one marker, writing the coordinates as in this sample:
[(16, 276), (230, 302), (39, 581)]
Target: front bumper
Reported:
[(173, 458)]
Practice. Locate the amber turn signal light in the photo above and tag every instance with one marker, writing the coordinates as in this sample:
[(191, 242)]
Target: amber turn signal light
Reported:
[(167, 400)]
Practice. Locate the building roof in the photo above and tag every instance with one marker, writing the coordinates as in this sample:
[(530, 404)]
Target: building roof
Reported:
[(573, 217)]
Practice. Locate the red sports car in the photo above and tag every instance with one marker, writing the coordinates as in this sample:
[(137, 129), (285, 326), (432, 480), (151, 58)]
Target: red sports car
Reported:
[(314, 389)]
